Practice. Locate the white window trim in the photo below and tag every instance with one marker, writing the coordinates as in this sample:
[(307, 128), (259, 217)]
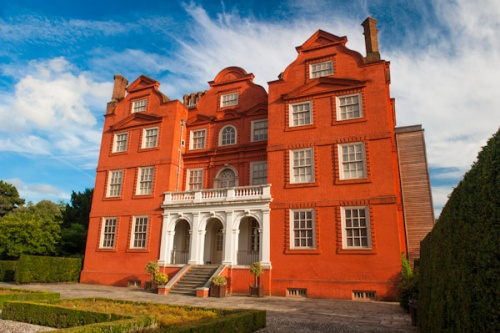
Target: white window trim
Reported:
[(132, 234), (188, 178), (360, 106), (103, 227), (140, 174), (191, 139), (252, 165), (341, 160), (311, 72), (231, 100), (291, 171), (115, 142), (253, 129), (144, 138), (110, 177), (135, 105), (368, 228), (235, 136), (290, 113), (292, 230), (217, 180)]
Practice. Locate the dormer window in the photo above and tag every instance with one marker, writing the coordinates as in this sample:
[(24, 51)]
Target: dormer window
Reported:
[(139, 106), (229, 100), (320, 69)]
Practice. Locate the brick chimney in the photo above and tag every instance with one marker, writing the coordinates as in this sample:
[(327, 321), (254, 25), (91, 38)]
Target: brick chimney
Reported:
[(119, 88), (371, 39)]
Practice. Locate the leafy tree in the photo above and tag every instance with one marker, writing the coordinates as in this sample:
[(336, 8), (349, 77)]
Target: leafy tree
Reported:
[(29, 233), (75, 223), (9, 198)]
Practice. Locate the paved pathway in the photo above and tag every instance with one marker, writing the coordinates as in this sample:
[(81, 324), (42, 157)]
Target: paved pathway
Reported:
[(360, 316)]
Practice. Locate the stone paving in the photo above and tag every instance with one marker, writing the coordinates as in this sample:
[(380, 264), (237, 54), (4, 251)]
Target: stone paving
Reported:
[(364, 316)]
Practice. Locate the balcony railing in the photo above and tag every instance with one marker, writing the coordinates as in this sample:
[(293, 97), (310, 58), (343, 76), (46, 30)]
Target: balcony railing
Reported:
[(247, 257), (180, 257), (248, 193)]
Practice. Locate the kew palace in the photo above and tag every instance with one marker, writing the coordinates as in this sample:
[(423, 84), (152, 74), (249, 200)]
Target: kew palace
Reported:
[(311, 177)]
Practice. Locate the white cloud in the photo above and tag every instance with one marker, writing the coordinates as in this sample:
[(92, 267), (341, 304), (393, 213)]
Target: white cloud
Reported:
[(53, 111), (38, 191)]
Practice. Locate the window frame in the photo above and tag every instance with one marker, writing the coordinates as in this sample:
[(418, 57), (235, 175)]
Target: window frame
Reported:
[(218, 181), (116, 141), (254, 130), (356, 161), (295, 115), (104, 233), (227, 100), (313, 72), (293, 167), (338, 102), (367, 227), (252, 172), (312, 228), (189, 177), (146, 139), (232, 139), (140, 105), (111, 177), (192, 139), (142, 182), (135, 232)]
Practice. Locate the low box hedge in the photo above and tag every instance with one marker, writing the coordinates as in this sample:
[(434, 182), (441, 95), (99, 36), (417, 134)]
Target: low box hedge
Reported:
[(50, 313), (25, 295)]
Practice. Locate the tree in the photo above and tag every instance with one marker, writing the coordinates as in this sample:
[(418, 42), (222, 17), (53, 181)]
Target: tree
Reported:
[(9, 198), (29, 233), (75, 223)]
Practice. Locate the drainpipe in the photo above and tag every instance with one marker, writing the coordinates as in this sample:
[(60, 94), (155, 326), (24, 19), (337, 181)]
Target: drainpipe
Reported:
[(179, 156)]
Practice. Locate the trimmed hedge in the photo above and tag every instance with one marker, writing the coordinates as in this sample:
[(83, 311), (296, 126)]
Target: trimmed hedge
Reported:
[(53, 316), (27, 295), (460, 258), (49, 313), (240, 322), (7, 270), (41, 269)]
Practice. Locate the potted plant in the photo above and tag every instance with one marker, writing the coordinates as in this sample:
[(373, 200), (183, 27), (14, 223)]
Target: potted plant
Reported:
[(152, 268), (218, 286), (160, 278), (257, 289)]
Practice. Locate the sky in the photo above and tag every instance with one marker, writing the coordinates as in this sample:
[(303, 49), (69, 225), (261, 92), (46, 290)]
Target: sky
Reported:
[(58, 59)]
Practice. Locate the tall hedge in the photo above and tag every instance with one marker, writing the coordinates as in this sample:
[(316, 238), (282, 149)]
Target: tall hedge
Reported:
[(41, 269), (7, 270), (460, 258)]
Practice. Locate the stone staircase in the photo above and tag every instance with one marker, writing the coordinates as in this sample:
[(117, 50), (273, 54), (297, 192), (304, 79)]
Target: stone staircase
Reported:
[(196, 277)]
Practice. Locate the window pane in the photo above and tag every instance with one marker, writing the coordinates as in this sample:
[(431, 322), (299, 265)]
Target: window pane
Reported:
[(301, 114), (356, 227), (303, 229), (353, 164)]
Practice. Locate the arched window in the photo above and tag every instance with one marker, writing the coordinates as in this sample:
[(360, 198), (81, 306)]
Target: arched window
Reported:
[(227, 136), (226, 178)]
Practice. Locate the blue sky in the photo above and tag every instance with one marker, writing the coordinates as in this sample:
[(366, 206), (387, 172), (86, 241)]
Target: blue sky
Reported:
[(58, 58)]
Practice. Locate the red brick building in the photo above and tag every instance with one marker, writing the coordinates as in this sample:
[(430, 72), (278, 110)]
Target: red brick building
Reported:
[(310, 179)]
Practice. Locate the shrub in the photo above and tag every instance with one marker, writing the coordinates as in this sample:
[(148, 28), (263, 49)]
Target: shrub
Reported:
[(219, 280), (152, 267), (40, 269), (160, 278), (15, 294), (7, 270)]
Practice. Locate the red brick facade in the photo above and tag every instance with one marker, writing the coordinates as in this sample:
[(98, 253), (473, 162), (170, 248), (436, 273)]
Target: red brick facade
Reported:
[(304, 179)]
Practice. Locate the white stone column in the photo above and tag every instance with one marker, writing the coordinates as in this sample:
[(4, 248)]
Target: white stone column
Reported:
[(265, 240), (228, 239), (194, 245), (166, 242)]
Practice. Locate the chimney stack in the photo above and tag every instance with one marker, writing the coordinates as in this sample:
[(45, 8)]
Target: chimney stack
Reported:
[(119, 88), (371, 39)]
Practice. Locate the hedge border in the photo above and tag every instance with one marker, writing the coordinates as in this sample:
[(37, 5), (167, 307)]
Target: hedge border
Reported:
[(7, 270), (28, 295), (43, 269), (47, 313)]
